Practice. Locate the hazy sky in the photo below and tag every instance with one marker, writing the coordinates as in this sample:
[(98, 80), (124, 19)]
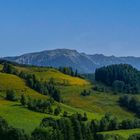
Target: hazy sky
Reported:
[(111, 27)]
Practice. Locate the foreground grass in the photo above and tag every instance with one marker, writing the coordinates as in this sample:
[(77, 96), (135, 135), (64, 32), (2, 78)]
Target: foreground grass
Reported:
[(21, 117), (124, 133)]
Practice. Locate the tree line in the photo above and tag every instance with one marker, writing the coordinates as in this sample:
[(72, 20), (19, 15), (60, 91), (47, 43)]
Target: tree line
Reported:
[(37, 105), (69, 71), (131, 103), (121, 77), (72, 127)]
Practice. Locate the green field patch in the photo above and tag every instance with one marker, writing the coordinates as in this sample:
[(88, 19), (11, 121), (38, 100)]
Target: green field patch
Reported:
[(20, 117), (45, 74), (124, 133), (99, 103)]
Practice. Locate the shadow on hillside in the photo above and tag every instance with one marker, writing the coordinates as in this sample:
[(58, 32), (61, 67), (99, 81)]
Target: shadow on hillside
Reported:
[(17, 105)]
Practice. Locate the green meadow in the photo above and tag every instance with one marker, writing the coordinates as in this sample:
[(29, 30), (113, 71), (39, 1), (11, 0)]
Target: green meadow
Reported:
[(124, 133), (95, 105)]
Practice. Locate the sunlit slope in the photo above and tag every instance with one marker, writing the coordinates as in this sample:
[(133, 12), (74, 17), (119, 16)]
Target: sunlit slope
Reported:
[(99, 103), (45, 74), (21, 117), (12, 82)]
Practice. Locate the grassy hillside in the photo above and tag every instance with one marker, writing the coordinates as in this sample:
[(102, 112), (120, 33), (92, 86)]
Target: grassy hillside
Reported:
[(95, 105), (71, 87), (12, 82), (21, 117), (45, 74), (99, 103), (18, 116), (124, 133)]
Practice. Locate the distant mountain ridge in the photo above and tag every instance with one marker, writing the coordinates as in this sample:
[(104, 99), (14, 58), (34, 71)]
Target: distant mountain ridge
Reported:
[(84, 63)]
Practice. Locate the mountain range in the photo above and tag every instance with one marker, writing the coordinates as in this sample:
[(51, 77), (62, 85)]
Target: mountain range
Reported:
[(83, 62)]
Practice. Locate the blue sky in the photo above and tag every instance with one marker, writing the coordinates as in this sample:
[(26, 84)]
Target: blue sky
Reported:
[(111, 27)]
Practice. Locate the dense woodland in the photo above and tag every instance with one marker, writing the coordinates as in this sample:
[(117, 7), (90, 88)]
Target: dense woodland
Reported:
[(122, 78)]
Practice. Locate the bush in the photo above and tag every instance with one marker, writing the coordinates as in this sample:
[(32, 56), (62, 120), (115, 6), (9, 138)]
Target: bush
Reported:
[(16, 134), (85, 93), (57, 111), (131, 103), (9, 133), (99, 88), (108, 137), (23, 100), (42, 134), (38, 105), (118, 86), (134, 137), (10, 95)]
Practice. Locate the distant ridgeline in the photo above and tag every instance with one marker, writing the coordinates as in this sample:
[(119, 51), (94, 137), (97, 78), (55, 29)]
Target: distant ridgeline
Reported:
[(121, 77)]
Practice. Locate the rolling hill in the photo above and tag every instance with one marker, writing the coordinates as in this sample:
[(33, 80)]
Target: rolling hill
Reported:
[(45, 74), (95, 105)]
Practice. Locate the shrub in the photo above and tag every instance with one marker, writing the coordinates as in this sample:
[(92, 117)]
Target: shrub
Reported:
[(10, 95)]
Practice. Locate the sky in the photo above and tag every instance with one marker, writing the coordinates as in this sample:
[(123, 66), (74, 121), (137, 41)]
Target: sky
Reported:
[(111, 27)]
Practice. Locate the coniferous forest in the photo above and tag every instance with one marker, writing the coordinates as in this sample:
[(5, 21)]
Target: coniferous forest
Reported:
[(122, 78)]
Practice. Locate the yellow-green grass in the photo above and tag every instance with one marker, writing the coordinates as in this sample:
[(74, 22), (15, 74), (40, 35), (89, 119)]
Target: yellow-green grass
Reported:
[(1, 67), (96, 103), (99, 103), (72, 110), (20, 117), (124, 133), (12, 82), (45, 74)]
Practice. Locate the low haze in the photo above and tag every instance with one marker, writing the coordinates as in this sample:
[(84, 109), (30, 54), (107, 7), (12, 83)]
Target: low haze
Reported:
[(111, 27)]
